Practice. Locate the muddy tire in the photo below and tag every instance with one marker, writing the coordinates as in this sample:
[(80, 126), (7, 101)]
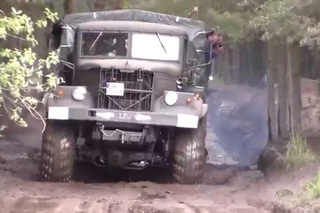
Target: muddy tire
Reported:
[(58, 152), (189, 155)]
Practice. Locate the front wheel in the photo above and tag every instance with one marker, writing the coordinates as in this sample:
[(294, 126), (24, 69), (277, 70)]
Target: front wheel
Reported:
[(189, 154), (58, 152)]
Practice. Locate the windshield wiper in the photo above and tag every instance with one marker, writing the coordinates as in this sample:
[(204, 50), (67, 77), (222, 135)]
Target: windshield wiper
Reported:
[(161, 42), (95, 41)]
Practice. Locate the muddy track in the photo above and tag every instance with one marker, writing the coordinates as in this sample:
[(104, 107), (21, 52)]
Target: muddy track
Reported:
[(99, 190)]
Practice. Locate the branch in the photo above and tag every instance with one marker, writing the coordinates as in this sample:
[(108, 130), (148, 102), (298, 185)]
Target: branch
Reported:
[(255, 4), (17, 37), (6, 109), (28, 107), (24, 105), (194, 10)]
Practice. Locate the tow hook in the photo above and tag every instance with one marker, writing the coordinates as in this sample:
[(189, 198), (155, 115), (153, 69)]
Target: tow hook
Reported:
[(99, 161)]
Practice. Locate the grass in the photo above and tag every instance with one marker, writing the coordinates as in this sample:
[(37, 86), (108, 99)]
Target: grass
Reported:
[(313, 187), (297, 155), (298, 152)]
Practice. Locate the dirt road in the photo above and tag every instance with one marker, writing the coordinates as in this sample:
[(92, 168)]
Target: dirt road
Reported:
[(96, 190)]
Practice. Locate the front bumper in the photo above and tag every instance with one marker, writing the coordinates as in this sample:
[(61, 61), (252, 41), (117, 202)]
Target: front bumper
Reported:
[(116, 116)]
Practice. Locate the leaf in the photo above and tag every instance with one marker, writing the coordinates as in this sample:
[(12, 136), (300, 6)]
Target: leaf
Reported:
[(19, 65)]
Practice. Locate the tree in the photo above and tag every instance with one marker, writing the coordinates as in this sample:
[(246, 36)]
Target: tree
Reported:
[(68, 7), (293, 23), (118, 4), (18, 66), (100, 5)]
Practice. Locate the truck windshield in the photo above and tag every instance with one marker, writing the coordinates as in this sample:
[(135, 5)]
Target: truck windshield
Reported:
[(155, 47), (104, 44)]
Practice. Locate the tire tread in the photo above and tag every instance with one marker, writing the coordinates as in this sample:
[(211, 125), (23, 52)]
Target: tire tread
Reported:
[(189, 155), (58, 153)]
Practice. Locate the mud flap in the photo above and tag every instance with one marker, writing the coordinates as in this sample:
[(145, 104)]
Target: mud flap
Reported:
[(237, 126)]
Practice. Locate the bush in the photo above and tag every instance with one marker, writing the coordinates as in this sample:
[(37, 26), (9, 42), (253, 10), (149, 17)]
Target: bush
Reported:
[(298, 152), (18, 66), (313, 187)]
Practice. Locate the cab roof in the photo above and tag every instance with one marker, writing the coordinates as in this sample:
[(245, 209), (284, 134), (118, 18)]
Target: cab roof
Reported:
[(132, 26), (133, 15)]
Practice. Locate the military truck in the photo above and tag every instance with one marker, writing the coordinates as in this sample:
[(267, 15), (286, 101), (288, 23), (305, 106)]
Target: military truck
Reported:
[(129, 98)]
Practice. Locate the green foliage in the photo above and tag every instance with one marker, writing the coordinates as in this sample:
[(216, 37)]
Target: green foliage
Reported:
[(231, 24), (298, 152), (174, 7), (293, 19), (313, 187), (220, 14), (19, 66)]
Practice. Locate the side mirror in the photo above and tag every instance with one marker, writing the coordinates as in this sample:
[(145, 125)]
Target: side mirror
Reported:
[(205, 59), (54, 38)]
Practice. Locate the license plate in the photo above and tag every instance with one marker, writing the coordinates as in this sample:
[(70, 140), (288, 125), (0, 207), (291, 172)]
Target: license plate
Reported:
[(115, 89)]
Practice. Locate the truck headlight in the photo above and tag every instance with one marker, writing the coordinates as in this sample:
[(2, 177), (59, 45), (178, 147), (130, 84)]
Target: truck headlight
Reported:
[(79, 93), (171, 98)]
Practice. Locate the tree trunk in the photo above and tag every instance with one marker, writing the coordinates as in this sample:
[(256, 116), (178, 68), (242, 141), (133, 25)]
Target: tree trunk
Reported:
[(250, 59), (260, 63), (316, 63), (231, 65), (68, 7), (271, 91), (203, 8), (236, 65), (294, 86), (219, 66), (100, 5), (282, 88), (226, 65), (243, 63), (117, 4)]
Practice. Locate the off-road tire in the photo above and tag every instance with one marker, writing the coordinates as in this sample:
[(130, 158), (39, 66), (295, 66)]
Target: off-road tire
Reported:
[(189, 154), (58, 153)]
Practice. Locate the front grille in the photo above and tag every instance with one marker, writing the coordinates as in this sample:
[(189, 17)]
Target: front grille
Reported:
[(137, 94)]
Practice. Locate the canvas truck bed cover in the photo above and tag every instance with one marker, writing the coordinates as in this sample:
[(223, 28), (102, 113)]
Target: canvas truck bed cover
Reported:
[(191, 26)]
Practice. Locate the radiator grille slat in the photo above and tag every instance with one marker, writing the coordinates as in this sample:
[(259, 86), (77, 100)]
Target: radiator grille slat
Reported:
[(138, 87)]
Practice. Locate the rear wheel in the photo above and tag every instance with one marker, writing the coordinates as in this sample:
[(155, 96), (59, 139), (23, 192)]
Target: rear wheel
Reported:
[(58, 152), (189, 154)]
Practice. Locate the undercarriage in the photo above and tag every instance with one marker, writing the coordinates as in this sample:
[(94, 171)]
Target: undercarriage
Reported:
[(66, 142), (129, 148)]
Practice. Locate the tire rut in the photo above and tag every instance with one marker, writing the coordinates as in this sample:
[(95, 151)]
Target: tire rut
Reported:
[(40, 205)]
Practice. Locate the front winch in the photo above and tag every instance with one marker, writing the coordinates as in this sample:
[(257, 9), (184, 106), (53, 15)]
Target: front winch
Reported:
[(119, 135)]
